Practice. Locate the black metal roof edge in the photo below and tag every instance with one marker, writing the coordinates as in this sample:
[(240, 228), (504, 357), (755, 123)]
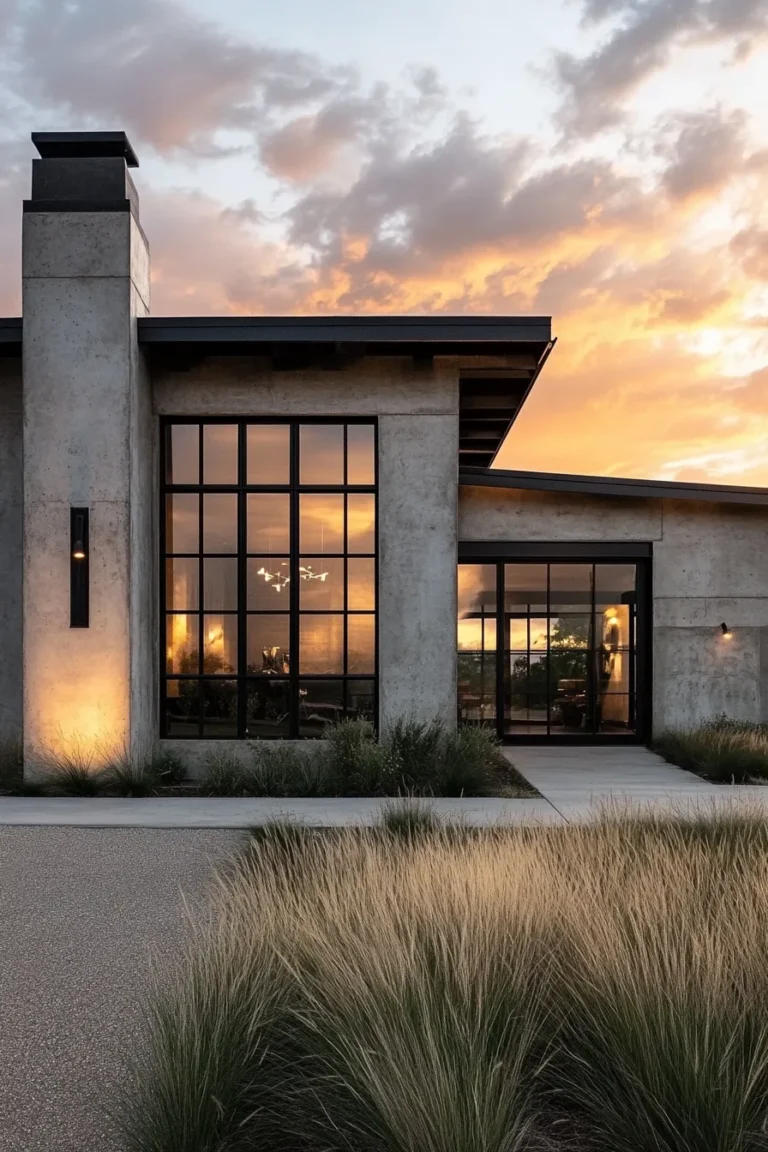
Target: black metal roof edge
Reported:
[(612, 486), (208, 329), (534, 377), (80, 145)]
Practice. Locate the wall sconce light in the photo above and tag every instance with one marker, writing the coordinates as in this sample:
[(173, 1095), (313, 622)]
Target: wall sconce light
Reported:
[(78, 568), (726, 631)]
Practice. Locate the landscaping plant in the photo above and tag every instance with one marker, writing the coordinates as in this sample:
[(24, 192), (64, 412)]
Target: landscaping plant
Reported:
[(728, 751)]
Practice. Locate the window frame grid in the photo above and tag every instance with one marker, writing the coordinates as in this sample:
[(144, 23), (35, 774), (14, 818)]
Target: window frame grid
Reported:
[(294, 489)]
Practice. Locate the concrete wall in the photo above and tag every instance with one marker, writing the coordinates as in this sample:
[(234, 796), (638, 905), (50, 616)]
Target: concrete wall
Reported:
[(11, 496), (417, 411), (710, 564), (86, 442)]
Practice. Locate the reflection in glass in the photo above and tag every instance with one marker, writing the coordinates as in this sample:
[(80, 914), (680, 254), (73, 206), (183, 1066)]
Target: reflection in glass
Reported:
[(182, 454), (269, 583), (321, 702), (570, 631), (614, 714), (220, 522), (220, 585), (361, 522), (219, 708), (269, 522), (360, 454), (268, 709), (570, 587), (321, 523), (268, 645), (321, 644), (181, 584), (476, 625), (182, 643), (525, 588), (361, 644), (321, 454), (321, 583), (182, 523), (182, 708), (477, 686), (268, 454), (360, 699), (528, 633), (361, 584), (219, 644), (219, 454)]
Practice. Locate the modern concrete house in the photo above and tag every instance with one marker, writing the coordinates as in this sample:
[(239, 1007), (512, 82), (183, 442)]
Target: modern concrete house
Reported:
[(222, 528)]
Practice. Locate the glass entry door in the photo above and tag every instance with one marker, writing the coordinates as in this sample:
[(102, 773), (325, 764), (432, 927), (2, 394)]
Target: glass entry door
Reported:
[(550, 650)]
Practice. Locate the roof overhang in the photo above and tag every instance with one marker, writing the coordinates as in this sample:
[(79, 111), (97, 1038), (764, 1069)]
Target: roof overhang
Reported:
[(10, 337), (612, 486)]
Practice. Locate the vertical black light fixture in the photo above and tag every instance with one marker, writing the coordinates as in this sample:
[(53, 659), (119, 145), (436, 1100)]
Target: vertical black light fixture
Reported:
[(78, 568)]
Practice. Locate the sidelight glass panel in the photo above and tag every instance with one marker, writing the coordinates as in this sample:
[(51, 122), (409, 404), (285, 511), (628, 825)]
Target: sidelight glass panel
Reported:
[(220, 522), (321, 454), (182, 592), (220, 584), (321, 583), (269, 522), (182, 523), (182, 454), (361, 455), (268, 454), (361, 522), (268, 645), (219, 645), (321, 523), (220, 454), (361, 644), (361, 583)]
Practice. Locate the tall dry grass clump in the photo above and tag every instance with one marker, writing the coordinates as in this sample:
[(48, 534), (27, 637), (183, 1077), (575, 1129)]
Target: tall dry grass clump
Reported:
[(595, 987)]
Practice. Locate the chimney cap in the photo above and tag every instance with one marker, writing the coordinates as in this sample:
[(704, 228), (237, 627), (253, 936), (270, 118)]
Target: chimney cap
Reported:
[(82, 145)]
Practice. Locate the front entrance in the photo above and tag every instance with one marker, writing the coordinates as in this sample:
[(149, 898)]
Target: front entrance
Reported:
[(553, 650)]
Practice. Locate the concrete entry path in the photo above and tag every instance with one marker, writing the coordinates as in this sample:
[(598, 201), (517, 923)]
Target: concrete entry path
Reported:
[(576, 780)]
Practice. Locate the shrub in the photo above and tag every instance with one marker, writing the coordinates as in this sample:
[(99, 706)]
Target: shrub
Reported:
[(169, 769), (357, 765), (417, 748), (722, 750), (470, 763), (284, 770), (225, 775), (76, 771), (408, 818)]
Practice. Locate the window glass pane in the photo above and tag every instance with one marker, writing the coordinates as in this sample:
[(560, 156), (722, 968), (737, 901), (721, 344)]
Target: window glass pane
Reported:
[(614, 713), (476, 626), (268, 709), (570, 587), (321, 454), (476, 675), (181, 584), (219, 708), (269, 522), (321, 702), (361, 644), (321, 523), (268, 454), (321, 583), (182, 454), (219, 644), (321, 644), (361, 699), (182, 523), (182, 708), (182, 644), (220, 585), (269, 582), (220, 454), (360, 454), (361, 584), (220, 522), (268, 645), (361, 522), (570, 630)]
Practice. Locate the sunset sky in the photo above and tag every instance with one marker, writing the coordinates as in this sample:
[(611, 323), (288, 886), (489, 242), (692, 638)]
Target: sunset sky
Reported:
[(604, 162)]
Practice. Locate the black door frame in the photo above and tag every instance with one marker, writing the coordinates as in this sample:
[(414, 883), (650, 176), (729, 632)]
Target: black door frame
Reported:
[(639, 553)]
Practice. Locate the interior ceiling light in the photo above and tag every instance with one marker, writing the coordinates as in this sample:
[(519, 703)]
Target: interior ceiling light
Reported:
[(278, 580)]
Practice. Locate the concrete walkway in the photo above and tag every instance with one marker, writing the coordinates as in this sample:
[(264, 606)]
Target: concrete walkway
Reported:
[(578, 780)]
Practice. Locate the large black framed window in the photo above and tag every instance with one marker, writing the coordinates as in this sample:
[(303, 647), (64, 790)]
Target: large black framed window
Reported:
[(269, 576)]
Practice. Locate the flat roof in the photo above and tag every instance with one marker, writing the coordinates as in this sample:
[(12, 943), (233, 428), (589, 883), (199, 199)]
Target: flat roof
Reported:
[(612, 486), (84, 145)]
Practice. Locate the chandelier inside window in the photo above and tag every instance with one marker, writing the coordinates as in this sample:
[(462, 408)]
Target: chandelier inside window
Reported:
[(279, 580)]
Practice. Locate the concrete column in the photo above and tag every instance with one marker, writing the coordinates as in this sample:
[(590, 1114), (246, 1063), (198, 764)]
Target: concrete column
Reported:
[(10, 546), (87, 443), (418, 485)]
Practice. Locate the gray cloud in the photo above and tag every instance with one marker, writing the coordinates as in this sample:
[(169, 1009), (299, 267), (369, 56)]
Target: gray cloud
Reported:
[(595, 86), (704, 151)]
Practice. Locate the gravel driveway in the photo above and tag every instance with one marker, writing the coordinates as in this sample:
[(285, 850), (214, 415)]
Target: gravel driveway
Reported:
[(80, 911)]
